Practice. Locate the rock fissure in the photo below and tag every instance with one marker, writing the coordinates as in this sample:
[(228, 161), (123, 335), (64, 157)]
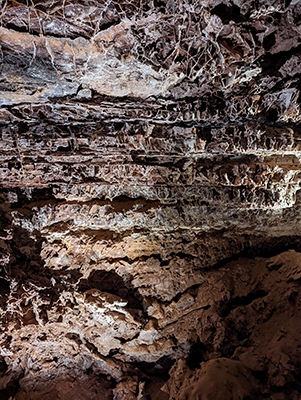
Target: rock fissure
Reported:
[(150, 200)]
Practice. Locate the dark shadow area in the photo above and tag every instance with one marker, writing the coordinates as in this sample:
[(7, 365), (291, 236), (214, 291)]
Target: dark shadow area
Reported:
[(111, 282), (4, 292), (159, 368), (226, 307), (259, 246), (228, 13), (198, 353)]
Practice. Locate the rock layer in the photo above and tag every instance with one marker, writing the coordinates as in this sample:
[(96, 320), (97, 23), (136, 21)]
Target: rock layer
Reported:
[(146, 147)]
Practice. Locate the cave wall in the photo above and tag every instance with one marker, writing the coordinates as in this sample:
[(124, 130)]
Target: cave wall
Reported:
[(149, 180)]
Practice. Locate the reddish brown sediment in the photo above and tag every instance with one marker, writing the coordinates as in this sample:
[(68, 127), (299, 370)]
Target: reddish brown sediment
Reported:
[(150, 200)]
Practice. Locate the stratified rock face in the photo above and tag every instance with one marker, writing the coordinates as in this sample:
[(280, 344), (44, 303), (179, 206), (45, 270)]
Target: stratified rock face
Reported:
[(145, 148)]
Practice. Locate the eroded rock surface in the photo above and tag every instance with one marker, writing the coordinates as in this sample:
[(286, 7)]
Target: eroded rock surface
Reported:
[(150, 199)]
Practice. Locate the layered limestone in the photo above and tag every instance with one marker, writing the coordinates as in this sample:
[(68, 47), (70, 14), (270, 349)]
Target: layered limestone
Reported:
[(150, 199)]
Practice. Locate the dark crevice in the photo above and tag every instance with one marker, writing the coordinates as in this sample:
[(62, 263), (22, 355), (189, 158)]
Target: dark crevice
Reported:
[(228, 13), (160, 367), (271, 63), (111, 282), (225, 308), (191, 290), (198, 353), (269, 41), (93, 349), (75, 337), (258, 246), (4, 292), (106, 25)]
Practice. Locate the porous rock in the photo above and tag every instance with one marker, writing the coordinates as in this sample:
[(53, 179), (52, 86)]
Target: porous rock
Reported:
[(150, 200)]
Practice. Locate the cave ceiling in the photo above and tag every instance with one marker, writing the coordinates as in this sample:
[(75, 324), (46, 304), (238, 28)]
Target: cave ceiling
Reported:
[(149, 180)]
